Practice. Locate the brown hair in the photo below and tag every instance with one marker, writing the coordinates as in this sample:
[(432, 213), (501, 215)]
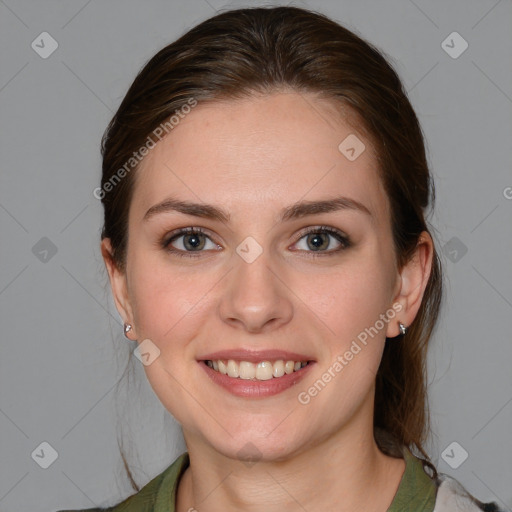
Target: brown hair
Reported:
[(240, 52)]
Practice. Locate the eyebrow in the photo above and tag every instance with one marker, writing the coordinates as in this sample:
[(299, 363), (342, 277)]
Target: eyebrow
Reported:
[(294, 211)]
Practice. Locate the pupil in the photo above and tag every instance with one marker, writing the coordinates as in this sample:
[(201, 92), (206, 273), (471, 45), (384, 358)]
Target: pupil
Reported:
[(316, 240), (195, 241)]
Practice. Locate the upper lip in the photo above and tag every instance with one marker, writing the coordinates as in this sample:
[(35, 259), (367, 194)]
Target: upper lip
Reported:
[(254, 356)]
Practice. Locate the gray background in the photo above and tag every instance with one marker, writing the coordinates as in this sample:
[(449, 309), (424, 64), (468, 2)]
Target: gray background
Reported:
[(62, 346)]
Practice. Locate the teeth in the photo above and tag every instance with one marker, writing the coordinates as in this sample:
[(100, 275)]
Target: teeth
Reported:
[(278, 369), (265, 370), (247, 370), (233, 370)]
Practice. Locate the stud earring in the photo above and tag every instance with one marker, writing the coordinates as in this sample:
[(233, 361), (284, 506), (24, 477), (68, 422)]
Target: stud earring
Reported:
[(403, 329), (127, 329)]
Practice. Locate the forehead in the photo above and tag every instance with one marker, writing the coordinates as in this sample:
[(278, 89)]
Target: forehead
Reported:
[(259, 152)]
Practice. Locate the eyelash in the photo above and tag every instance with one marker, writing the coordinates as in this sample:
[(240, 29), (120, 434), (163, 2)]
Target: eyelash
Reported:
[(338, 235)]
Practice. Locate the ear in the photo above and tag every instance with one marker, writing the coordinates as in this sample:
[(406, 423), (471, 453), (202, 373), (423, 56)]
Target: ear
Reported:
[(119, 286), (413, 279)]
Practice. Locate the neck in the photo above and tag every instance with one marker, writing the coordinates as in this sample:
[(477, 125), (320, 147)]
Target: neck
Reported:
[(346, 469)]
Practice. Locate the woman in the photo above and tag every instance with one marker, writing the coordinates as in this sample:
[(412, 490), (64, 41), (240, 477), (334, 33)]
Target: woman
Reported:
[(265, 188)]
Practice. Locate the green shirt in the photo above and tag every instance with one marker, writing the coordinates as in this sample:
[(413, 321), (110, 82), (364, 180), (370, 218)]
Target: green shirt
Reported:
[(416, 492)]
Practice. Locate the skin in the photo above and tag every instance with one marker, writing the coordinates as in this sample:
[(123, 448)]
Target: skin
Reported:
[(254, 157)]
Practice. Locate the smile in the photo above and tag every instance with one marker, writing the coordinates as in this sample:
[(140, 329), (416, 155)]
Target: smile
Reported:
[(256, 374), (264, 370)]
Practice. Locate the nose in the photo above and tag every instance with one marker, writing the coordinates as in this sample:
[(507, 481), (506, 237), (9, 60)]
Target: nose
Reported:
[(255, 298)]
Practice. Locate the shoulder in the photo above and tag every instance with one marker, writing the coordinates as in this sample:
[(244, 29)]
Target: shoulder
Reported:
[(453, 497), (142, 501), (440, 492), (87, 510), (158, 493)]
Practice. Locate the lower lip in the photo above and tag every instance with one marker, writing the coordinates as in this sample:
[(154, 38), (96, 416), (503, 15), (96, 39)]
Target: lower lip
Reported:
[(256, 388)]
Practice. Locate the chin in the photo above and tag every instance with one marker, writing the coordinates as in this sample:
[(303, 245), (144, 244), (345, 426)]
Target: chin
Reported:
[(253, 444)]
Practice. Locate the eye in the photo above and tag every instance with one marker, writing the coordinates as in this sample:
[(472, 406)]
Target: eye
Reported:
[(188, 240), (320, 239)]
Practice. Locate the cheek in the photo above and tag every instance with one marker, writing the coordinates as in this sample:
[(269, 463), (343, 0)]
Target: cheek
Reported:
[(166, 304), (351, 299)]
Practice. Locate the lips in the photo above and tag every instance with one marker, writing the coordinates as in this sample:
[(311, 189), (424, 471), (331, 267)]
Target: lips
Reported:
[(256, 374), (255, 356)]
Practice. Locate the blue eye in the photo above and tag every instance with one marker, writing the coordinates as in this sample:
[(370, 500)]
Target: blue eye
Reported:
[(194, 240), (320, 238)]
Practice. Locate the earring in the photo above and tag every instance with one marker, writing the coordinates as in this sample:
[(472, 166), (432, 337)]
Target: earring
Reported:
[(127, 329), (403, 329)]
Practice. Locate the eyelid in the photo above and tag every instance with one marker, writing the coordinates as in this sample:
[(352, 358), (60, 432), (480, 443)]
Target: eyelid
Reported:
[(176, 233), (322, 229)]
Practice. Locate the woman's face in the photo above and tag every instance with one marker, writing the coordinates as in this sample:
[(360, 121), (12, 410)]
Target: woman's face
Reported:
[(256, 286)]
